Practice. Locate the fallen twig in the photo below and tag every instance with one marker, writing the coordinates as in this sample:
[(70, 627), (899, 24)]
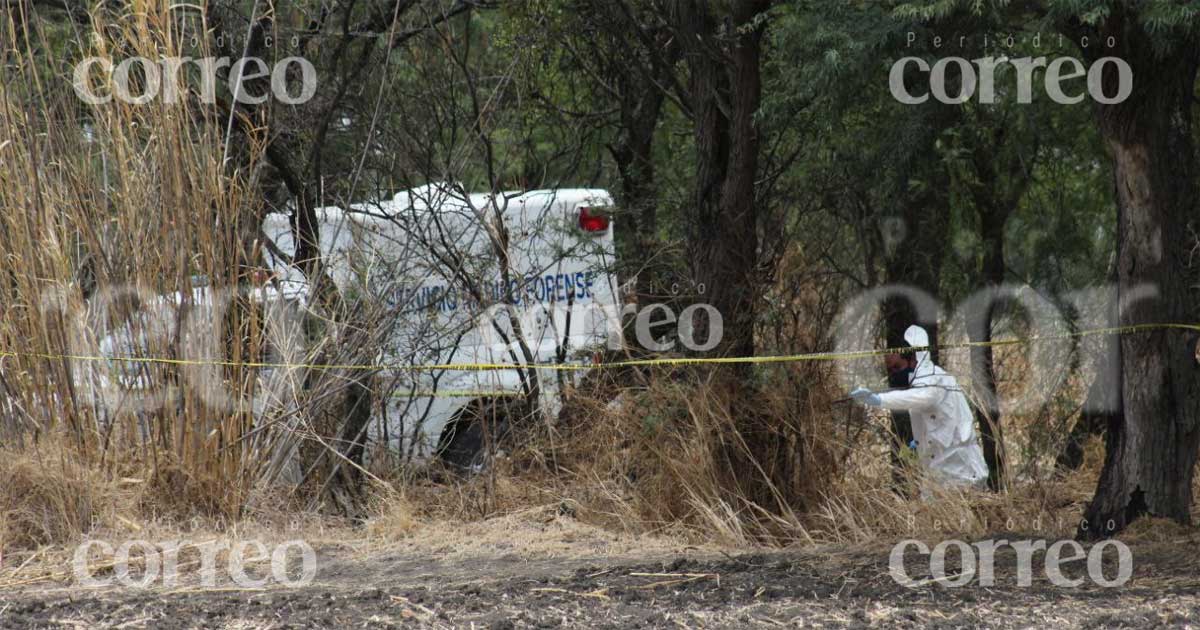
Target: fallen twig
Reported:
[(598, 594)]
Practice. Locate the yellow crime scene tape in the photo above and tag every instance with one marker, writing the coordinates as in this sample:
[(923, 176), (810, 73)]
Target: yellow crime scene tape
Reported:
[(678, 361), (453, 393)]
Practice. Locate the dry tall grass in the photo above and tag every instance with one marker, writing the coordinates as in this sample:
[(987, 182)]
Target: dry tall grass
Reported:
[(95, 227), (49, 498), (658, 459)]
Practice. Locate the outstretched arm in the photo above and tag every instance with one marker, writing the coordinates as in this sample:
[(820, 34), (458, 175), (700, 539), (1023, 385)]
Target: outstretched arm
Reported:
[(915, 397)]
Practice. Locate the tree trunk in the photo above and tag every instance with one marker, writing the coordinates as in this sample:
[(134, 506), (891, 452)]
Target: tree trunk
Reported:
[(1101, 409), (726, 87), (641, 107), (1151, 451), (721, 43), (998, 189), (982, 357)]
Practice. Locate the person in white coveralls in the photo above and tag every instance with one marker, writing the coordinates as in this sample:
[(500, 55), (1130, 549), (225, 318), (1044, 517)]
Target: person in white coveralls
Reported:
[(942, 423)]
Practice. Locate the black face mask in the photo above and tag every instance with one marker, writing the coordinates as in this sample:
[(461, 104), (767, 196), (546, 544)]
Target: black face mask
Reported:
[(900, 378)]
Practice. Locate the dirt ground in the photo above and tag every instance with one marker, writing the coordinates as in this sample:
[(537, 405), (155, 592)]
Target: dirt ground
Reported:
[(506, 576)]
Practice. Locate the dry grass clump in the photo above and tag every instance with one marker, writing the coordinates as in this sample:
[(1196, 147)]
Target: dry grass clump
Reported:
[(684, 453), (860, 509), (177, 493), (52, 498), (390, 515), (55, 494), (537, 531)]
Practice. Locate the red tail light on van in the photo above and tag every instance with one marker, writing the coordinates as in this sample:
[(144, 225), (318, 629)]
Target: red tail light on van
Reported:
[(593, 220)]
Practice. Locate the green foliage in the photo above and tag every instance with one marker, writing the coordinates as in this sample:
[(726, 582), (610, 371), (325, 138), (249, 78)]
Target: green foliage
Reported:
[(1158, 17), (531, 94)]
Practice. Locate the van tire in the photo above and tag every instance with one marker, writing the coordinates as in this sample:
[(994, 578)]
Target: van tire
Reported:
[(462, 445)]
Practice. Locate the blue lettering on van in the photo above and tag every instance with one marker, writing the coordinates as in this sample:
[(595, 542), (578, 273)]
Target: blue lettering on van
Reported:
[(569, 287), (578, 286)]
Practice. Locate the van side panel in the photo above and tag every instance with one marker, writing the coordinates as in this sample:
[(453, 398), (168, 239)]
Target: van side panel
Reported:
[(428, 262)]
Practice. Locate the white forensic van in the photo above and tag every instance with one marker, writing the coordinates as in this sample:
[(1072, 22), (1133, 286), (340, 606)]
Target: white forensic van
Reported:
[(427, 260)]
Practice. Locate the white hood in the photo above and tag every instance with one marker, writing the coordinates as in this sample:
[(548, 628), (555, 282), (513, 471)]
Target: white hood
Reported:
[(916, 336)]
